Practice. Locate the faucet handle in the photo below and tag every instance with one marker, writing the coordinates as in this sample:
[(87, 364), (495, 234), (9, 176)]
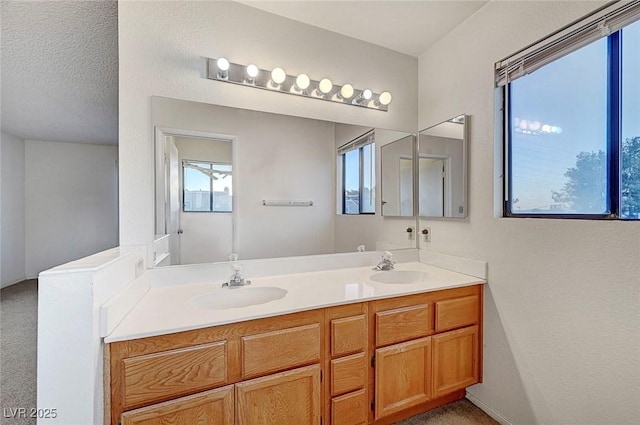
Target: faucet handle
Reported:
[(233, 257), (387, 256), (236, 267)]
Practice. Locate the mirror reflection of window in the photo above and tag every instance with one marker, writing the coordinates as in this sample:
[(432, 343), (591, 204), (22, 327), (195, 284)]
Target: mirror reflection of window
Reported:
[(207, 187), (358, 175)]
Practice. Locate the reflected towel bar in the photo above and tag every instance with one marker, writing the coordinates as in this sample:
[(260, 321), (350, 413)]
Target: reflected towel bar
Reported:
[(287, 203)]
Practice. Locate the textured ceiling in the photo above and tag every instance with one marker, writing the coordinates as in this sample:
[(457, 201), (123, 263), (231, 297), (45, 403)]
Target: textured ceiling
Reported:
[(409, 27), (59, 64)]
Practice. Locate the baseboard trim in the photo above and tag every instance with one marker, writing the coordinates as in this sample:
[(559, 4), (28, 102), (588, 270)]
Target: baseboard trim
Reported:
[(488, 409), (6, 285)]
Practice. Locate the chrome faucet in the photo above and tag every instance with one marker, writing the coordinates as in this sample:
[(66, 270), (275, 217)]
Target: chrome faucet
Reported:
[(387, 262), (236, 279)]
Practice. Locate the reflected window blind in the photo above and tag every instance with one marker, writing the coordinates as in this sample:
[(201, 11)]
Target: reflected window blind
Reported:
[(360, 141), (601, 23)]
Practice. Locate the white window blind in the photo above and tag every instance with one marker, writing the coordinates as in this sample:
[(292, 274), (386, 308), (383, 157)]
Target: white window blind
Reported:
[(601, 23), (360, 141)]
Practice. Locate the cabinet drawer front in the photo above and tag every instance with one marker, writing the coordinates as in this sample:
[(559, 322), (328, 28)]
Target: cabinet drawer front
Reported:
[(348, 374), (279, 350), (213, 407), (349, 409), (348, 335), (162, 375), (402, 324), (457, 313)]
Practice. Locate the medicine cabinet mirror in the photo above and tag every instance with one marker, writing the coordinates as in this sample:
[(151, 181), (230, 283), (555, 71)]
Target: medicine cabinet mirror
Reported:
[(442, 169), (397, 177)]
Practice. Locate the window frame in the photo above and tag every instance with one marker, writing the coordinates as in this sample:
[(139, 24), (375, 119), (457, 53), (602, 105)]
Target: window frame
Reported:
[(211, 193), (613, 144)]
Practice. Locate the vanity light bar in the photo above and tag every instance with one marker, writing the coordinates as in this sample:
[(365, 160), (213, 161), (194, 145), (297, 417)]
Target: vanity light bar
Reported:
[(300, 85)]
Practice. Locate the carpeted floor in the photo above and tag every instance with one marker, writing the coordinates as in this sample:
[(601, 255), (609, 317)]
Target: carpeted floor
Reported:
[(18, 327), (18, 330)]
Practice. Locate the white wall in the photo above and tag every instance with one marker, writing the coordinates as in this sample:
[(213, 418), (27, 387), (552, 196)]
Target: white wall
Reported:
[(71, 202), (162, 51), (70, 348), (12, 201), (562, 307)]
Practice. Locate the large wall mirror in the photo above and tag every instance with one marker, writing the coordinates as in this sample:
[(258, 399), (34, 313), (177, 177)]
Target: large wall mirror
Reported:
[(397, 177), (442, 169), (261, 185)]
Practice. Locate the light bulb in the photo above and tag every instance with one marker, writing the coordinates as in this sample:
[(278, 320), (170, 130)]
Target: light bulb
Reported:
[(346, 91), (278, 76), (385, 98), (223, 64), (223, 68), (325, 85), (363, 97), (303, 81), (252, 71)]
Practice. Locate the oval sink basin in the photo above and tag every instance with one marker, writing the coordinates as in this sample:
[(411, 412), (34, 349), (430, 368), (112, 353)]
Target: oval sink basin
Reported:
[(237, 297), (398, 276)]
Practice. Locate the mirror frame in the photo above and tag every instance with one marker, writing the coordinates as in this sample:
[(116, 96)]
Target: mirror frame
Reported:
[(465, 173)]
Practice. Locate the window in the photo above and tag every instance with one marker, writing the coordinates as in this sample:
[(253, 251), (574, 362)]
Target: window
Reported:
[(206, 187), (358, 175), (572, 133)]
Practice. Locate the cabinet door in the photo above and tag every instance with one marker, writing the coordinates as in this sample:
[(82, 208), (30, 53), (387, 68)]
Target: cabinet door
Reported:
[(455, 360), (403, 376), (291, 397), (213, 407)]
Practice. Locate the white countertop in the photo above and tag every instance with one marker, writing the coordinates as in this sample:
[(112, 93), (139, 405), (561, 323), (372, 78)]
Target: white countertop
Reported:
[(165, 310)]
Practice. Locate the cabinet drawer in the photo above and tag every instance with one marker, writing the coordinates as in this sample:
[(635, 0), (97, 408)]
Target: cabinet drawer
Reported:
[(214, 407), (159, 376), (349, 409), (457, 312), (348, 335), (279, 350), (348, 374), (402, 324)]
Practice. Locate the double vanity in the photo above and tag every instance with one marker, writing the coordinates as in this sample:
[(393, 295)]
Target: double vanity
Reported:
[(316, 339), (347, 346)]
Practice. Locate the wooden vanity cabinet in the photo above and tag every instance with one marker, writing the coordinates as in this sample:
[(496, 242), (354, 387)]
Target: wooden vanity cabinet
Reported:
[(365, 363)]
